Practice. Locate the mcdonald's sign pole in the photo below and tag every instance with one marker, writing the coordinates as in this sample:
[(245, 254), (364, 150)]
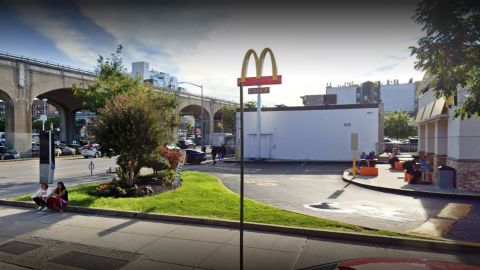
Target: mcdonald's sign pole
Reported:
[(258, 80)]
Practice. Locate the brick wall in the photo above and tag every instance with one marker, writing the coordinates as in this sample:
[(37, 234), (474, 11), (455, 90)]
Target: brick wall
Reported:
[(468, 173)]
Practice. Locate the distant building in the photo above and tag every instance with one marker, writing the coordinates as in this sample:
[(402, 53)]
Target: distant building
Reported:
[(394, 96), (315, 100), (158, 79), (2, 109), (38, 108)]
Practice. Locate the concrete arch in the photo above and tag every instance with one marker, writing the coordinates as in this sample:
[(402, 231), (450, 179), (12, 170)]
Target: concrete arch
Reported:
[(9, 117), (205, 123), (67, 105)]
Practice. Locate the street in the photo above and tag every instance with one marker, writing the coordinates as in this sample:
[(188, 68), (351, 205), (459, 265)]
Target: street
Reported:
[(20, 177), (318, 190), (309, 188)]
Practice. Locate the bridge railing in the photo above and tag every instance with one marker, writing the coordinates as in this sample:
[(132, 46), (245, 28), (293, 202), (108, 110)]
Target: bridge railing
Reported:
[(43, 63), (205, 97)]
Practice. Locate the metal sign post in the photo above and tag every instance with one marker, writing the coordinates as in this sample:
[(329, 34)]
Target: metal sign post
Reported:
[(258, 80), (354, 144)]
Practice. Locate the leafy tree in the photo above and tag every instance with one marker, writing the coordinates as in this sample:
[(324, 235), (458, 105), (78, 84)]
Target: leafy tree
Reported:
[(2, 124), (134, 124), (228, 118), (450, 51), (399, 125), (37, 124), (112, 80), (250, 105)]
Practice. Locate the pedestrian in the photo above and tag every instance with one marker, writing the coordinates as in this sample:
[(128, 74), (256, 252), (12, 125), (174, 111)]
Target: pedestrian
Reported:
[(41, 196), (224, 150), (214, 154), (424, 168), (392, 158), (58, 198)]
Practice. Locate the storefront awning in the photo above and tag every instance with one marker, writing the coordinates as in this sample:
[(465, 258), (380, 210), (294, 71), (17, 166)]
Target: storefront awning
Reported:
[(431, 110)]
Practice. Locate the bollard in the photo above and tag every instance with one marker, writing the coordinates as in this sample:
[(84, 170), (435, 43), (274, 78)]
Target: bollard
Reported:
[(91, 166)]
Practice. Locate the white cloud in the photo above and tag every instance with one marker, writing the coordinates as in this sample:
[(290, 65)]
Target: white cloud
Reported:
[(62, 32)]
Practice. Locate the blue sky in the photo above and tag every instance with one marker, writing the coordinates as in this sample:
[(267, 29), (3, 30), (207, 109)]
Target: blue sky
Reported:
[(314, 45)]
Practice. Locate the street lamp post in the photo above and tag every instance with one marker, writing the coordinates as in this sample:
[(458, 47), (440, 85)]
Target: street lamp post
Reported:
[(44, 116), (202, 115)]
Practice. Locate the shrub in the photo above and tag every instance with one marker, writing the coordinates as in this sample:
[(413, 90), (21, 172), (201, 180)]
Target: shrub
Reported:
[(157, 162), (173, 157), (168, 176)]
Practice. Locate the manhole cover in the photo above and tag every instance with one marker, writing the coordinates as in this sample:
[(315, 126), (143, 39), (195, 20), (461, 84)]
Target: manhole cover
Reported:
[(17, 248), (88, 261)]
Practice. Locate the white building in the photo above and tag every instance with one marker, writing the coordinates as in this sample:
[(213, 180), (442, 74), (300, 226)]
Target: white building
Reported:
[(447, 140), (395, 96), (159, 79), (321, 133)]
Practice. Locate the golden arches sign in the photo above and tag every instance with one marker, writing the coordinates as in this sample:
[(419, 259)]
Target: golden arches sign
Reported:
[(259, 79)]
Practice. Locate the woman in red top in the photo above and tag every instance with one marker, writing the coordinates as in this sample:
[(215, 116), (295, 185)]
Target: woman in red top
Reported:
[(59, 198)]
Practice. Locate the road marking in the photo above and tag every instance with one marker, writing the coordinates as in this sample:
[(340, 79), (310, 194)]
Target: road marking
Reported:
[(433, 227), (363, 208), (449, 214), (455, 211)]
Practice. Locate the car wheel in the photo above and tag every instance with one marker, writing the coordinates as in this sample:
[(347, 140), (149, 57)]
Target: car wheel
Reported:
[(85, 156), (97, 155)]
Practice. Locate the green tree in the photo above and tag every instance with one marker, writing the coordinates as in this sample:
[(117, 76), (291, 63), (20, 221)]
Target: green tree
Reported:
[(450, 50), (399, 125), (250, 105), (112, 79), (37, 124), (229, 118), (134, 124)]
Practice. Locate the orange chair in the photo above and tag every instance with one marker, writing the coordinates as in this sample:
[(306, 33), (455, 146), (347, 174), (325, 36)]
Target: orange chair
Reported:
[(407, 177), (368, 171), (398, 165)]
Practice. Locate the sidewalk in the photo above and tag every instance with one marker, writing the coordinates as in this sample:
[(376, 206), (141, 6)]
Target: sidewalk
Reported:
[(46, 240), (392, 181)]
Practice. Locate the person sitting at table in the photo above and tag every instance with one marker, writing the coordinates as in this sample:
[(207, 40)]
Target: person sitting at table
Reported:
[(410, 168), (392, 158), (371, 159)]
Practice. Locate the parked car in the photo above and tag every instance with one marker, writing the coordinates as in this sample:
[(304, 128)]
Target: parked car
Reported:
[(172, 147), (6, 153), (66, 151), (76, 147), (391, 263), (195, 156), (91, 150), (190, 144), (57, 151)]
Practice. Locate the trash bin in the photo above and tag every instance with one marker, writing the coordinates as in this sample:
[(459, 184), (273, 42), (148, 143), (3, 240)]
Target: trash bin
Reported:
[(446, 177)]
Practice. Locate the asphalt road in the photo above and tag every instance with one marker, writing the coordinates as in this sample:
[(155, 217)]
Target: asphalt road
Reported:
[(318, 190), (20, 177)]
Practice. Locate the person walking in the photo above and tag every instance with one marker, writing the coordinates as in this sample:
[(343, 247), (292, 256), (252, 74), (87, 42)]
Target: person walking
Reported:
[(214, 154)]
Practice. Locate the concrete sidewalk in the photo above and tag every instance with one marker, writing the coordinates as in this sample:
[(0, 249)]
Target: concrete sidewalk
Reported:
[(47, 240), (392, 181)]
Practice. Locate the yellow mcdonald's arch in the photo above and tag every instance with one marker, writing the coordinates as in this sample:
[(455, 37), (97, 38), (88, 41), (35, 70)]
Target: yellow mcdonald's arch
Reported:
[(258, 63)]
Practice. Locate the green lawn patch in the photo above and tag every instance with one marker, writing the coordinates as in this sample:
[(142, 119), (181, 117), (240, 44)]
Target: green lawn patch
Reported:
[(203, 195)]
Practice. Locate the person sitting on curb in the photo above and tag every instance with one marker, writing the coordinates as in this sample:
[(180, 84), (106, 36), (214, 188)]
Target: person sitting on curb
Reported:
[(59, 198), (41, 196)]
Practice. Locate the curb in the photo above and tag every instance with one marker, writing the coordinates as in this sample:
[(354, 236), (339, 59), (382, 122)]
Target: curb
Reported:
[(411, 192), (346, 236), (279, 161), (71, 157)]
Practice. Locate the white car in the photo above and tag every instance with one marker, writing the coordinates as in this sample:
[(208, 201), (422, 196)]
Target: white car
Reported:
[(91, 151)]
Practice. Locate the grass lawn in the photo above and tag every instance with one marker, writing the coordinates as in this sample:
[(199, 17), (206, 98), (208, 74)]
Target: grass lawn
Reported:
[(203, 195)]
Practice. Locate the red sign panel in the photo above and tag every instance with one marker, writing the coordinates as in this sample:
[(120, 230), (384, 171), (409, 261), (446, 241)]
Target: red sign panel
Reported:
[(264, 80), (259, 90)]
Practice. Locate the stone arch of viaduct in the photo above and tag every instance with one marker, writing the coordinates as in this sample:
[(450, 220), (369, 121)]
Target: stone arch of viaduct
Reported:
[(23, 79)]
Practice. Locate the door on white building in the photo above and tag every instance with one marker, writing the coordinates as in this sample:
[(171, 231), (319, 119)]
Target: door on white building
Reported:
[(265, 146)]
